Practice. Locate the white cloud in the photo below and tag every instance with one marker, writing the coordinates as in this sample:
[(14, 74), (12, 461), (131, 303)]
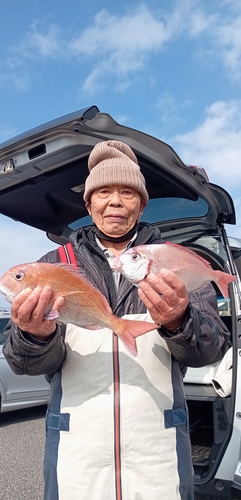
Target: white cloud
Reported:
[(123, 44), (229, 40), (236, 230), (171, 109), (216, 143), (116, 45), (222, 41), (216, 146), (47, 43), (20, 80), (37, 44), (136, 32), (119, 46)]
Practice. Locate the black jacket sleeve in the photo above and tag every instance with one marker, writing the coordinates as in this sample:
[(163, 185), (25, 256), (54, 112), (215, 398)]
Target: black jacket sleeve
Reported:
[(203, 338), (29, 356)]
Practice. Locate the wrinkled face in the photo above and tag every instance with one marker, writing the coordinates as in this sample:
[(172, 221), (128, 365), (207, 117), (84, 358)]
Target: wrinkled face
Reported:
[(115, 209)]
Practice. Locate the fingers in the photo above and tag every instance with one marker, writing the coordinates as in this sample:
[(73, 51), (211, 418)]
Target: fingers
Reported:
[(163, 287), (40, 300), (167, 284), (165, 296), (24, 303), (29, 307)]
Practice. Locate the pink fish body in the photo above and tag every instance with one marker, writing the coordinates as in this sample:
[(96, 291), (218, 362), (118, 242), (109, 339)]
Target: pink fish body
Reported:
[(84, 306), (194, 271)]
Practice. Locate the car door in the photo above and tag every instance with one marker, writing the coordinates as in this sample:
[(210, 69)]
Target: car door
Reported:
[(19, 391)]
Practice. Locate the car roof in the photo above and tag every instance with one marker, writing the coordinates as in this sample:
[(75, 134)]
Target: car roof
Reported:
[(43, 171)]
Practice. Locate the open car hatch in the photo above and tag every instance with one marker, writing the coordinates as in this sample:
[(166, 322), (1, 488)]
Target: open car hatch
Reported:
[(43, 171)]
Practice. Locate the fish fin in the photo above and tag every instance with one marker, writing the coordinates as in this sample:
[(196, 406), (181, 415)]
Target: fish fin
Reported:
[(130, 344), (52, 314), (223, 280), (191, 252), (149, 266), (72, 269), (130, 329)]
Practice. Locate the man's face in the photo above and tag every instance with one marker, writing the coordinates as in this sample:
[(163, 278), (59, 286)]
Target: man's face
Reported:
[(115, 209)]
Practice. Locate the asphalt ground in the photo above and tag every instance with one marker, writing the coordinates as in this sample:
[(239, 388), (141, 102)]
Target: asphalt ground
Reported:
[(22, 437)]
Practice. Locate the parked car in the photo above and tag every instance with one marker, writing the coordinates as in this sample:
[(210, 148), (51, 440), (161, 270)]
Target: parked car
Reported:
[(45, 169), (17, 392)]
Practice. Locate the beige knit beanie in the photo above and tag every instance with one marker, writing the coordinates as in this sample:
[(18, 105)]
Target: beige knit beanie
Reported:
[(114, 162)]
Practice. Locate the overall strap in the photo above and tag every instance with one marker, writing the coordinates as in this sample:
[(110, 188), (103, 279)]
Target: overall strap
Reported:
[(67, 255)]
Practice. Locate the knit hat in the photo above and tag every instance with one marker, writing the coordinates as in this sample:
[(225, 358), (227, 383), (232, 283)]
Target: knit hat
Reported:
[(114, 162)]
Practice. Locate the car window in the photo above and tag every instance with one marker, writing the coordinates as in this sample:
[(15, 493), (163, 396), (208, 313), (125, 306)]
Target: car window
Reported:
[(162, 209), (3, 324), (166, 209), (224, 307)]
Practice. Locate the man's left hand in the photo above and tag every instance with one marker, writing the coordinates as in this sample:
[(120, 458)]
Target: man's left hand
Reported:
[(165, 297)]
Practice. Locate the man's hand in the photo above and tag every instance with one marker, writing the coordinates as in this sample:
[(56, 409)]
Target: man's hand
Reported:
[(28, 310), (165, 297)]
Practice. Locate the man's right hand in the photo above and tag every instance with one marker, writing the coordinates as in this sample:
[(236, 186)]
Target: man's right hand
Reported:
[(28, 310)]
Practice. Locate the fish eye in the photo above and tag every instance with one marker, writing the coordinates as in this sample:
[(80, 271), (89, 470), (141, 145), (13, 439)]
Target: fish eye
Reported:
[(135, 256), (19, 275)]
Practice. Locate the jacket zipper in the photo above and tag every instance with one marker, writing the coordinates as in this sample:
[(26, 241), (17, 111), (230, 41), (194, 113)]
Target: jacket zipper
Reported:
[(117, 446)]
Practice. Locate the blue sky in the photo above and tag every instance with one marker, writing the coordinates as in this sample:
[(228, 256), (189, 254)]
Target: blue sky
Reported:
[(169, 68)]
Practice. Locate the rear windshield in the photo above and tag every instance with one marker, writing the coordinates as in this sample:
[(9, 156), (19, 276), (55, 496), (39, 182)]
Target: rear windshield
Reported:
[(161, 210)]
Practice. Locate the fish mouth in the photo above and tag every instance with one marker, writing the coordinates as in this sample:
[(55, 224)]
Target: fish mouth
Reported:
[(8, 295), (116, 265)]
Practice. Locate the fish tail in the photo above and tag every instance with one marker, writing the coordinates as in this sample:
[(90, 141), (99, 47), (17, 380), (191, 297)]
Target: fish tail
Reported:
[(223, 280), (129, 329)]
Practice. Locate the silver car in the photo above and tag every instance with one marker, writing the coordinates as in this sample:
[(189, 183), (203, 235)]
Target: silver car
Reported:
[(17, 392)]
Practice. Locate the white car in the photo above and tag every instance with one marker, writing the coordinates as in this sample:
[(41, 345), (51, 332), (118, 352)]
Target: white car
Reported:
[(17, 392), (45, 169)]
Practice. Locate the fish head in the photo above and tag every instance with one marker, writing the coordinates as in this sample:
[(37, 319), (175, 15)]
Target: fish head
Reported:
[(16, 279), (133, 263)]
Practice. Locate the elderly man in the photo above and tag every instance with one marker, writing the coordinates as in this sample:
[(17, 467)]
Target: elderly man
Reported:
[(116, 426)]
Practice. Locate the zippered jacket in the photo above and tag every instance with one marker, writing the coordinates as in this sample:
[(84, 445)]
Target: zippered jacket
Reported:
[(117, 426)]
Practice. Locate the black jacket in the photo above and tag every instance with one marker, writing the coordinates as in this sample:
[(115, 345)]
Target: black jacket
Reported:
[(116, 414), (202, 339)]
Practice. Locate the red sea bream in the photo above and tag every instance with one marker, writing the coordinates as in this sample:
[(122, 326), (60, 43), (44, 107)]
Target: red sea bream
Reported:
[(194, 271)]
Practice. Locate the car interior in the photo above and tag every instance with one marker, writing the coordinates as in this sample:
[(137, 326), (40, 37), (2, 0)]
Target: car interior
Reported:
[(210, 414)]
